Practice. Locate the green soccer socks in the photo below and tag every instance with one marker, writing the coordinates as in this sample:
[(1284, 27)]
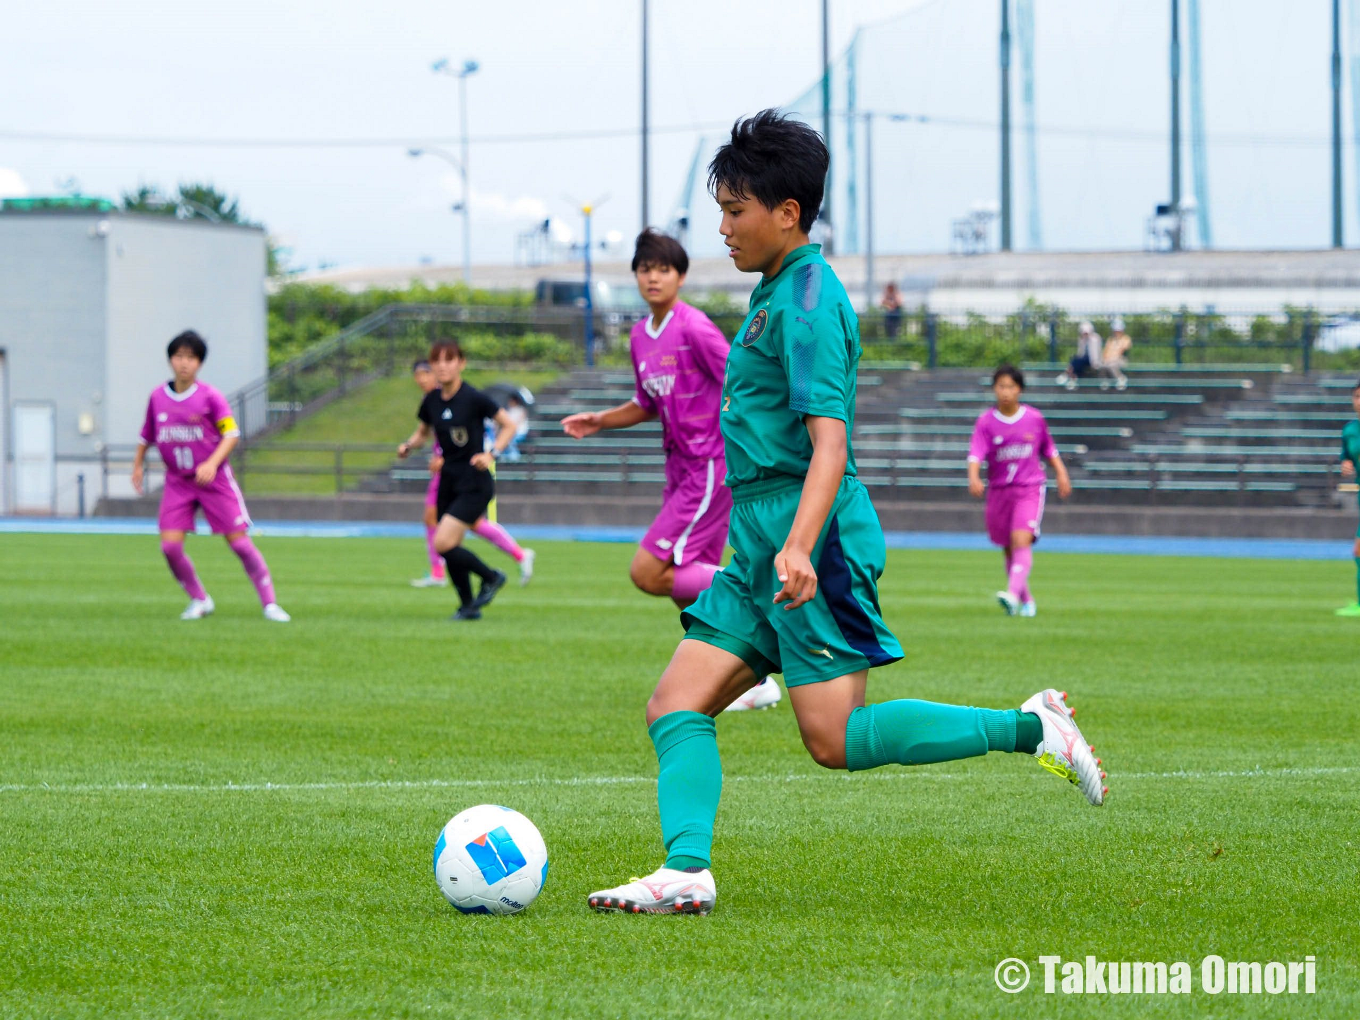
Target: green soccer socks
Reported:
[(688, 786), (910, 732)]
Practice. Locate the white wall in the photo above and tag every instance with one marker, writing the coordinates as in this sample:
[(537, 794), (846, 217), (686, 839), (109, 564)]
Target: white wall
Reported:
[(52, 285), (166, 276)]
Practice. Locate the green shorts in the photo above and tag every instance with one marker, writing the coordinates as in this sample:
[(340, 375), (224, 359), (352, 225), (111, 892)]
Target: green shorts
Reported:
[(840, 631)]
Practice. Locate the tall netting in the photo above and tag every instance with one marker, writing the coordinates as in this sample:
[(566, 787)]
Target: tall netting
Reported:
[(1100, 99)]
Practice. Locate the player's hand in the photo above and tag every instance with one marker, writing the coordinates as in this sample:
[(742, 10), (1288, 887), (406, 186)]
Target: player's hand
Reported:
[(794, 569), (403, 450), (206, 472), (481, 461), (976, 489), (578, 426), (1064, 486), (1347, 469), (137, 474), (436, 465)]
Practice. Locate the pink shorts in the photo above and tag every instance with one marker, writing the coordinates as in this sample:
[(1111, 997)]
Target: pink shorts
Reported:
[(221, 502), (432, 491), (1013, 508), (695, 509)]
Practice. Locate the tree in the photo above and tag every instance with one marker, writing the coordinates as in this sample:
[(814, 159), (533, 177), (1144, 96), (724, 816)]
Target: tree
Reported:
[(200, 201)]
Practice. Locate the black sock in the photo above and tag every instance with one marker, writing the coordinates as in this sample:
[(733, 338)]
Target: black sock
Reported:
[(469, 562), (458, 575)]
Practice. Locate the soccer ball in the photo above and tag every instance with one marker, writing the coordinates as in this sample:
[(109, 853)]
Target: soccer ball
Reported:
[(490, 860)]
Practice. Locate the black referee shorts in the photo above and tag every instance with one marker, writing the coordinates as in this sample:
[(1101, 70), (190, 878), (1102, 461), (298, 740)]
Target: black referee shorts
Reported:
[(465, 496)]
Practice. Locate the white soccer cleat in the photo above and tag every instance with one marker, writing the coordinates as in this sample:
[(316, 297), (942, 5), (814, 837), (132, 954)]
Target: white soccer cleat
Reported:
[(275, 612), (664, 891), (198, 608), (1008, 602), (1028, 608), (765, 694), (1064, 751), (428, 581), (526, 568)]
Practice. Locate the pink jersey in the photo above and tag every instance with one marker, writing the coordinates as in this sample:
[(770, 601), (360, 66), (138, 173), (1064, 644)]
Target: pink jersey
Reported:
[(1014, 449), (187, 427), (679, 371)]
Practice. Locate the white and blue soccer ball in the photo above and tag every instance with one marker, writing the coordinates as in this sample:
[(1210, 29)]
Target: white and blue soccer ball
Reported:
[(490, 860)]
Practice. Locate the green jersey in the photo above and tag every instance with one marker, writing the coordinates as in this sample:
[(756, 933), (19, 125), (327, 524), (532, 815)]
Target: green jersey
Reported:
[(794, 356), (1350, 443)]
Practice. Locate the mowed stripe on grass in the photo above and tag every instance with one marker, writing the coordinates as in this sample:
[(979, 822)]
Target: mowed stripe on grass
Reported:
[(235, 818)]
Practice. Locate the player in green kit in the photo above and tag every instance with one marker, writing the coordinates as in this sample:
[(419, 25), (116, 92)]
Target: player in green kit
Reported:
[(800, 595), (1350, 464)]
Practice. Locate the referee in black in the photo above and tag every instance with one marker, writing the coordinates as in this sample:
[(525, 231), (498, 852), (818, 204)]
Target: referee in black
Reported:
[(454, 413)]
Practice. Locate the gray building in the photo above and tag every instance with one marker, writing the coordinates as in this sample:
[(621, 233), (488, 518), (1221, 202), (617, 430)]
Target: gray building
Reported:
[(88, 302)]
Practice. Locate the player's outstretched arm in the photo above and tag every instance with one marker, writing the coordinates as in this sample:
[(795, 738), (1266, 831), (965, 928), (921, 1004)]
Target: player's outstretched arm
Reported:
[(587, 423), (1060, 471), (1347, 469), (793, 563)]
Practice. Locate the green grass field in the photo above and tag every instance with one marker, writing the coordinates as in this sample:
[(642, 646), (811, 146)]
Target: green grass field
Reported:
[(146, 870)]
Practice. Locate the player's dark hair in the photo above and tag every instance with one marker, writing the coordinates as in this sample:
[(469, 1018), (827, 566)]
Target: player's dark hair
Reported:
[(654, 248), (442, 350), (420, 365), (1009, 371), (772, 158), (190, 341)]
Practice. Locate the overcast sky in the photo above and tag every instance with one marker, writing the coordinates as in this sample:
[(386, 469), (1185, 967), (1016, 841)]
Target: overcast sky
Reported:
[(177, 73)]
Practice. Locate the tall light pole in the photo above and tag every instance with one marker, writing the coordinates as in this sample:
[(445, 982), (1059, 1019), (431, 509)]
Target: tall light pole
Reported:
[(828, 243), (1176, 122), (868, 210), (646, 214), (458, 207), (1005, 125), (1336, 124), (470, 67), (588, 211)]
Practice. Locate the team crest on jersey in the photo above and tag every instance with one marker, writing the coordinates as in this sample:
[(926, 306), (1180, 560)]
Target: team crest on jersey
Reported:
[(756, 328), (659, 385), (459, 435)]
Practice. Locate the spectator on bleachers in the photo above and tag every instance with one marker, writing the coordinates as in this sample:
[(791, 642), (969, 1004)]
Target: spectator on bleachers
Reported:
[(1116, 355), (1086, 360), (891, 303)]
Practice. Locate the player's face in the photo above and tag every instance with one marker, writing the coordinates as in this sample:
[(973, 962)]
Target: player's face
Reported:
[(425, 379), (755, 236), (659, 285), (447, 371), (1355, 400), (1007, 393), (184, 365)]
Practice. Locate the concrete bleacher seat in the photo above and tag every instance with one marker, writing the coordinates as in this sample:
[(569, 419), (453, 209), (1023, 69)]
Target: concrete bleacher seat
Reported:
[(1089, 396), (1203, 435), (1052, 414), (1135, 383), (1225, 450), (1209, 368)]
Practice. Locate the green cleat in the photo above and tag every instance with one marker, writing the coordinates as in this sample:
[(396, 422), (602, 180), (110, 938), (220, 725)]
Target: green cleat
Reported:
[(1352, 610)]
